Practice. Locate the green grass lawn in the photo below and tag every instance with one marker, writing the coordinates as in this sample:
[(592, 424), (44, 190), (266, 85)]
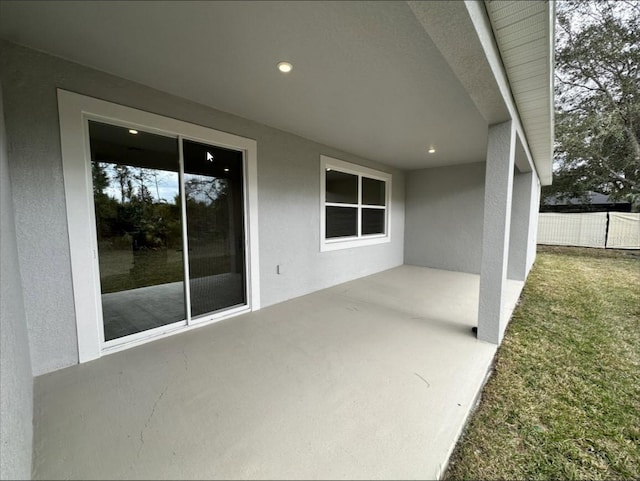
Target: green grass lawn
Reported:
[(122, 269), (564, 399)]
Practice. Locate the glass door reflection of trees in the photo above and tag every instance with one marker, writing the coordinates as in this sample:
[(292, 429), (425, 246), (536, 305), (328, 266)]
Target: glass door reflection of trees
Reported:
[(215, 227), (139, 228)]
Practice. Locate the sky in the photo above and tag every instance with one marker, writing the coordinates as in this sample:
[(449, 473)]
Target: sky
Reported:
[(163, 187)]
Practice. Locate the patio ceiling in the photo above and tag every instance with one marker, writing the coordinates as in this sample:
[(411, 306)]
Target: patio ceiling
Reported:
[(366, 76)]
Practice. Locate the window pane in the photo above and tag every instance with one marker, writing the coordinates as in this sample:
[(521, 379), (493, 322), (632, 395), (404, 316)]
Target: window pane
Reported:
[(373, 191), (215, 226), (341, 222), (373, 221), (341, 187), (139, 229)]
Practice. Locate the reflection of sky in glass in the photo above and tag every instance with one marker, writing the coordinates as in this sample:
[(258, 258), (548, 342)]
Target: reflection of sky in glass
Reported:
[(162, 184)]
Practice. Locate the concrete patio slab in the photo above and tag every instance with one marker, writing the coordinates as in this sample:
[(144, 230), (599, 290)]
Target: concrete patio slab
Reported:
[(372, 379)]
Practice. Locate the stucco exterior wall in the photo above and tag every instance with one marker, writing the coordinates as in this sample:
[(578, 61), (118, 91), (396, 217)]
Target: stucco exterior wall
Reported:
[(16, 381), (533, 226), (444, 215), (519, 233), (288, 196)]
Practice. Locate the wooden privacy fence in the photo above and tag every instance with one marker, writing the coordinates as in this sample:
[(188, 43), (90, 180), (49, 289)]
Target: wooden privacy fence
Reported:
[(613, 230)]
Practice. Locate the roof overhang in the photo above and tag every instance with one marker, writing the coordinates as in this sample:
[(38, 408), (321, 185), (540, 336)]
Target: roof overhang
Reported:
[(524, 34), (502, 53)]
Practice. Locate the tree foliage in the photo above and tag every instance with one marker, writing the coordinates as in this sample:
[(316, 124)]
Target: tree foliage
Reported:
[(597, 100), (139, 220)]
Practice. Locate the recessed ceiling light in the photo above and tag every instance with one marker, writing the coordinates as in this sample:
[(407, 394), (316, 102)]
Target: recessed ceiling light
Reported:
[(226, 169), (285, 67), (432, 150), (133, 131)]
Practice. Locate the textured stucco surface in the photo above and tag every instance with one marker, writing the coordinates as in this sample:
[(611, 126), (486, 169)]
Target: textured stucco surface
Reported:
[(288, 184), (16, 381), (492, 315), (463, 52), (534, 215), (445, 207), (521, 223)]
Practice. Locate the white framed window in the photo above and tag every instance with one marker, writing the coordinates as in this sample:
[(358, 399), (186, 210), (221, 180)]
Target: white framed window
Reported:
[(355, 205)]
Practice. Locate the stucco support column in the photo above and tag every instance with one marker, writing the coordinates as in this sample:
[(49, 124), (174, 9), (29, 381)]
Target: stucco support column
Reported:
[(519, 245), (534, 214), (496, 227)]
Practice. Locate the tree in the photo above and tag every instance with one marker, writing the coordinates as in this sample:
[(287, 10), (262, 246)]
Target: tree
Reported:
[(105, 206), (123, 176), (597, 100), (100, 178)]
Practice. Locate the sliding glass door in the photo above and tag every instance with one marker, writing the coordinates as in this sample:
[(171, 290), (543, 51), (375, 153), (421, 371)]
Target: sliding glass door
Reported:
[(169, 219), (215, 227)]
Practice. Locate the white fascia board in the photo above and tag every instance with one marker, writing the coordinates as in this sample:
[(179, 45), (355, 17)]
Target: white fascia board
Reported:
[(547, 175)]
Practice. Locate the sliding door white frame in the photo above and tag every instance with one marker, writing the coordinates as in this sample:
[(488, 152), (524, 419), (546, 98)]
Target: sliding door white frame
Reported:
[(75, 111)]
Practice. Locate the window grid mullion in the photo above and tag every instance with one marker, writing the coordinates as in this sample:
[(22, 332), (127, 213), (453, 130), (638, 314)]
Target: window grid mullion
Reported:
[(339, 204), (359, 206)]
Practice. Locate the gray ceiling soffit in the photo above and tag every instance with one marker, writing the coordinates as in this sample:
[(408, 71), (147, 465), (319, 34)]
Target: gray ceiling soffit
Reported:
[(452, 31), (367, 79), (382, 80)]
